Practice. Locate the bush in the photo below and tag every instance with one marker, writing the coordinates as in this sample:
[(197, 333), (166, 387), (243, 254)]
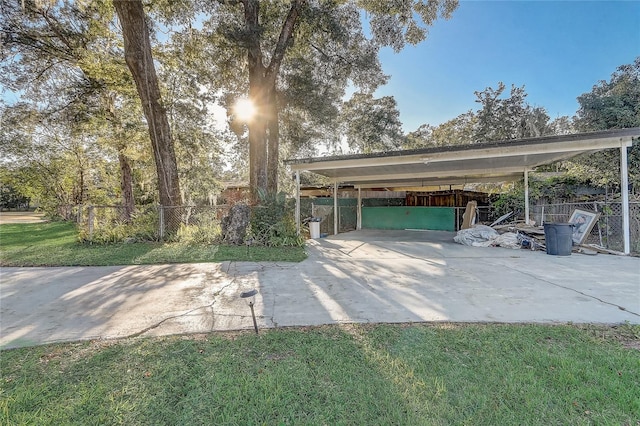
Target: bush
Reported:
[(272, 222), (554, 188), (142, 227), (207, 231)]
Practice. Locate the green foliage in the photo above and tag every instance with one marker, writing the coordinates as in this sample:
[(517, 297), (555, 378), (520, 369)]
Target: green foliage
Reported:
[(10, 198), (500, 117), (372, 125), (272, 222), (556, 188), (613, 104), (206, 231), (111, 228), (505, 118), (509, 201)]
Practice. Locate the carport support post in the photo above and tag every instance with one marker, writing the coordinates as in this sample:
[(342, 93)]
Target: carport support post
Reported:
[(359, 211), (526, 196), (335, 208), (298, 201), (624, 190)]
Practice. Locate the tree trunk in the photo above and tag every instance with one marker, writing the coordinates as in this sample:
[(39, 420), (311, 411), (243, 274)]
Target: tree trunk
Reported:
[(264, 128), (257, 141), (126, 175), (273, 140), (263, 139), (137, 48), (126, 185)]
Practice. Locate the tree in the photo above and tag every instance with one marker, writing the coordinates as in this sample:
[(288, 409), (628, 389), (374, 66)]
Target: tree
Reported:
[(372, 125), (11, 198), (419, 138), (562, 125), (505, 118), (70, 50), (45, 161), (613, 104), (137, 48), (279, 48), (457, 131), (498, 118), (460, 130)]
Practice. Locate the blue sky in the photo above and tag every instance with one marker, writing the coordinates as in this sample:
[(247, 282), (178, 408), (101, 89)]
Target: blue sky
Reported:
[(557, 49)]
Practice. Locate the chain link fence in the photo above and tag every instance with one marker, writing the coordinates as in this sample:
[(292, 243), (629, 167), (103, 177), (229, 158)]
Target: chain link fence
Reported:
[(608, 230), (347, 218), (347, 211), (154, 223)]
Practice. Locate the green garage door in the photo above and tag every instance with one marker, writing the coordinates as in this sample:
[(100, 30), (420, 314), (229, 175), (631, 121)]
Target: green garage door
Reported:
[(434, 218)]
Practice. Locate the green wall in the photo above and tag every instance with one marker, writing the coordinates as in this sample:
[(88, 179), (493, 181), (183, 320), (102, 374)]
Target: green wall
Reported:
[(434, 218)]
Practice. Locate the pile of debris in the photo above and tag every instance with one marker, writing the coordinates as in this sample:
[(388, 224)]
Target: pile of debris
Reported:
[(518, 234)]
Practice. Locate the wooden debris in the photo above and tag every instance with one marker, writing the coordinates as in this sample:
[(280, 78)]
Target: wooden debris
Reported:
[(469, 216), (601, 249)]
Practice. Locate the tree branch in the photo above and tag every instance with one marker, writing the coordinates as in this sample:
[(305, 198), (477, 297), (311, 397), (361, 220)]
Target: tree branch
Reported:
[(286, 34), (254, 52)]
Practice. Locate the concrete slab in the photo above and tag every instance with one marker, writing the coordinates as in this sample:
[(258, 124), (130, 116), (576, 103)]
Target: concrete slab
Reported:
[(364, 276)]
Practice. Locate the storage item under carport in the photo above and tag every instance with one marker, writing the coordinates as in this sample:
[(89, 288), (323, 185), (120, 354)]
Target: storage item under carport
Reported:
[(558, 238), (314, 227)]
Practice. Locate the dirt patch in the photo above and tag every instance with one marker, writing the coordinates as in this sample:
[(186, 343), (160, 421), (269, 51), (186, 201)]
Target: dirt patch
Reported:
[(21, 217)]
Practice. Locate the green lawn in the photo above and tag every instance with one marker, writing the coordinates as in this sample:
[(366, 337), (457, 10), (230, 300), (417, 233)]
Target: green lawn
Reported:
[(353, 375), (56, 244)]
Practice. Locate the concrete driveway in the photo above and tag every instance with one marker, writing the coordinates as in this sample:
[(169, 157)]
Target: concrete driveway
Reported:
[(363, 276)]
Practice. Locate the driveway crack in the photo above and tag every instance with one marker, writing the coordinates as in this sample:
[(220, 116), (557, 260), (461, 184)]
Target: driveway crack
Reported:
[(622, 308), (209, 306)]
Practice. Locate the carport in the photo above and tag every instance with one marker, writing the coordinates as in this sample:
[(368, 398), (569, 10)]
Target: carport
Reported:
[(501, 161)]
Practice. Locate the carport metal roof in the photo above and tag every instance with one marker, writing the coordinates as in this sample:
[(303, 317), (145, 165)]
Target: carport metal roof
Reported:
[(475, 163)]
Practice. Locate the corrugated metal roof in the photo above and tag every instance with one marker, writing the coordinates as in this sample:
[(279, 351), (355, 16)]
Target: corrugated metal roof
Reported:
[(481, 162)]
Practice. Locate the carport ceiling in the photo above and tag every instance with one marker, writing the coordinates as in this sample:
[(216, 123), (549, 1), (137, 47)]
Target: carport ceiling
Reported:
[(484, 162)]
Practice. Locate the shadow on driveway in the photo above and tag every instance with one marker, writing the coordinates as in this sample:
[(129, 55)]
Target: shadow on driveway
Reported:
[(363, 276)]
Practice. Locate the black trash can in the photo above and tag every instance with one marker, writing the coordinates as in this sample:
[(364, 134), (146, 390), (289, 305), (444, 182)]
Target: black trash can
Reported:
[(558, 238)]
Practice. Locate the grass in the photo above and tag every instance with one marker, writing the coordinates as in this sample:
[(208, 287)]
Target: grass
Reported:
[(354, 374), (56, 244)]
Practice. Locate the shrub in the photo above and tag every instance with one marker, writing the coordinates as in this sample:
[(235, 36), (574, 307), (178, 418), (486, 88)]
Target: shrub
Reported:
[(272, 222), (142, 227), (207, 231)]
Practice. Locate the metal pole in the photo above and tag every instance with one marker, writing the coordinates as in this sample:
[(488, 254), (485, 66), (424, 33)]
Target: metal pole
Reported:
[(253, 315), (298, 201), (92, 217), (624, 189), (161, 224), (335, 208), (526, 196), (359, 212)]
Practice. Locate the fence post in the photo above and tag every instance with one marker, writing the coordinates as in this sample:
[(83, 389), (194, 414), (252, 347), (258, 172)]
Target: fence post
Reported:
[(298, 202), (91, 219), (161, 222), (79, 214), (595, 209), (335, 208)]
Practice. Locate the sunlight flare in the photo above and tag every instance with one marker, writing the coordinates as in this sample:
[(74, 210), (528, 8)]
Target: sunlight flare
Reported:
[(245, 109)]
